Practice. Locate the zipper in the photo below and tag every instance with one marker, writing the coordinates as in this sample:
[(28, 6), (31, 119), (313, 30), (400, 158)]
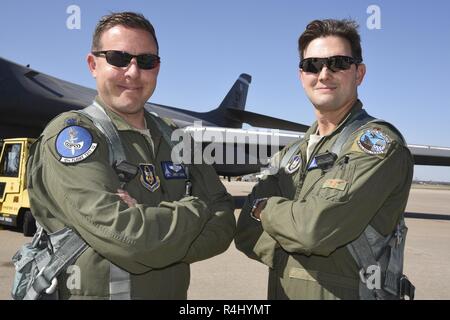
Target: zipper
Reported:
[(305, 170)]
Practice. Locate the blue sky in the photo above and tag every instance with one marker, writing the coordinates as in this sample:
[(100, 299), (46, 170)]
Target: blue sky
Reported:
[(206, 44)]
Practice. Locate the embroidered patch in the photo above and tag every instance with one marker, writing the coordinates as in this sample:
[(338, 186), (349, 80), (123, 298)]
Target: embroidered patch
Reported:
[(373, 141), (172, 170), (313, 164), (71, 122), (338, 184), (293, 164), (149, 179), (74, 144)]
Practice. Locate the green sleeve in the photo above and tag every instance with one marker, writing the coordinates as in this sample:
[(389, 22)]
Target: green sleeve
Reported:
[(250, 237), (218, 232), (331, 218), (136, 239)]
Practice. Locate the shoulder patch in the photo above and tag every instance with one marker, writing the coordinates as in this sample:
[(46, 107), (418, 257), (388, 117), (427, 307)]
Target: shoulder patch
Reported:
[(74, 144), (373, 141)]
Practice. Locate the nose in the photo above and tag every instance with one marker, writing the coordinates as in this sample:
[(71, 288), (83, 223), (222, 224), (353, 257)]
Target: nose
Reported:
[(324, 73), (132, 70)]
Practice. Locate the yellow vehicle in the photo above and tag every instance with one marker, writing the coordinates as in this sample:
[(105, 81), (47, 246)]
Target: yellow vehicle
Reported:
[(14, 202)]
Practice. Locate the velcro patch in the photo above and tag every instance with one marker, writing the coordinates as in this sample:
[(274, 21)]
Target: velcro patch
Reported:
[(338, 184), (74, 144), (173, 171), (374, 142)]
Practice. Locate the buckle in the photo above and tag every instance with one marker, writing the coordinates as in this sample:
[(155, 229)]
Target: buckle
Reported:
[(406, 288)]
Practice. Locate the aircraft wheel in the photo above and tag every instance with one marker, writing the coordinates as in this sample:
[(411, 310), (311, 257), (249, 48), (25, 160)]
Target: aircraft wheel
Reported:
[(29, 224)]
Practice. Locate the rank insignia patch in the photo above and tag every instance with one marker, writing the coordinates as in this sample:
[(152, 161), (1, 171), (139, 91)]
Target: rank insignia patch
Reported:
[(338, 184), (293, 164), (373, 141), (173, 171), (148, 177), (74, 144)]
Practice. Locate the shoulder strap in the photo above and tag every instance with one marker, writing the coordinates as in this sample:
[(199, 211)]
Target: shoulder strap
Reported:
[(119, 279), (163, 127), (368, 247), (105, 125), (359, 119)]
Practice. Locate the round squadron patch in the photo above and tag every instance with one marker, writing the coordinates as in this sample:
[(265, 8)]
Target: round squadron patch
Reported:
[(74, 144), (373, 141), (293, 164)]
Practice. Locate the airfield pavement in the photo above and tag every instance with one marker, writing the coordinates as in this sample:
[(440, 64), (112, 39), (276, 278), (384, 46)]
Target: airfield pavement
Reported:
[(231, 275)]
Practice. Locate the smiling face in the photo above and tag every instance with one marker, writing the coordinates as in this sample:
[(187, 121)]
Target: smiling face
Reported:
[(327, 90), (124, 90)]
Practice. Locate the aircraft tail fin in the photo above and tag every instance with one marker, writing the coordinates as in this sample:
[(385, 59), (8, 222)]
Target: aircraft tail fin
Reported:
[(231, 112), (237, 96)]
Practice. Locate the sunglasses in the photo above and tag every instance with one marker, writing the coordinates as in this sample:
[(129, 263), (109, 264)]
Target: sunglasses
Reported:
[(334, 63), (122, 59)]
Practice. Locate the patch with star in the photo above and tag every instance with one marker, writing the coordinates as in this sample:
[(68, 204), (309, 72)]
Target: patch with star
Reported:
[(374, 142), (74, 144), (293, 164)]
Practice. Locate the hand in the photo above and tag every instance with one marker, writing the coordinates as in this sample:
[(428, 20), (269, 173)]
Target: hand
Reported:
[(125, 197), (259, 208)]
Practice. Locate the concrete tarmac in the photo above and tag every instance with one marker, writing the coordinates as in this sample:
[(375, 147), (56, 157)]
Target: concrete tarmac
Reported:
[(232, 275)]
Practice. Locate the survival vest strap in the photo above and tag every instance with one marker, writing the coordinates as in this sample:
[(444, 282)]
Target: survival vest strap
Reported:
[(379, 258), (38, 263), (119, 280)]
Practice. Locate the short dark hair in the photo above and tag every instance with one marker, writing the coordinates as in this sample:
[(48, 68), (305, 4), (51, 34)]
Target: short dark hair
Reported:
[(128, 19), (345, 28)]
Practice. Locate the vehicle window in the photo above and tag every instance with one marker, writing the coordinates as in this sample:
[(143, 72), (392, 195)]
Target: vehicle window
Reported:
[(10, 162)]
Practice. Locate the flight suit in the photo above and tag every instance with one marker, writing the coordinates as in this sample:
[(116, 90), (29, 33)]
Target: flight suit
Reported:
[(156, 240), (312, 214)]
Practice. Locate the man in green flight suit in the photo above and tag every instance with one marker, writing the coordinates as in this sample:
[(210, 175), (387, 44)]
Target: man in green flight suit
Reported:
[(301, 220), (150, 228)]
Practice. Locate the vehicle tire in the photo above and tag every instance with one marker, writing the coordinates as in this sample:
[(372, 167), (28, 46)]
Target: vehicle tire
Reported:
[(29, 224)]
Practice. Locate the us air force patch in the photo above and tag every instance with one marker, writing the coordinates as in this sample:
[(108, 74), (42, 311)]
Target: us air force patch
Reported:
[(293, 164), (74, 144), (373, 141), (173, 171), (148, 177)]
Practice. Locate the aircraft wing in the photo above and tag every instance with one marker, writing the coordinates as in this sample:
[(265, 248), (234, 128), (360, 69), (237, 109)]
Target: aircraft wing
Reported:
[(429, 155), (242, 151)]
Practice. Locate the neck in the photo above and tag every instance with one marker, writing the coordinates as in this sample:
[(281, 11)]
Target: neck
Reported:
[(329, 120), (136, 120)]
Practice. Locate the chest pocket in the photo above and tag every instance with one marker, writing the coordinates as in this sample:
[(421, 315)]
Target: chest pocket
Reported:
[(335, 184)]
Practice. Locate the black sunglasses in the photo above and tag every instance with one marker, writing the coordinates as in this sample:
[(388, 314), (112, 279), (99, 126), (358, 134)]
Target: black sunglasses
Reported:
[(122, 59), (334, 63)]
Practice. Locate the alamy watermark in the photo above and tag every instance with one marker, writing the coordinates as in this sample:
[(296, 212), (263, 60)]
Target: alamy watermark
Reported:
[(371, 277), (374, 20), (210, 145), (73, 21)]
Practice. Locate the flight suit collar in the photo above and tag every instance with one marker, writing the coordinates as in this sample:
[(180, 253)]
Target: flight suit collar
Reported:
[(122, 125), (357, 106)]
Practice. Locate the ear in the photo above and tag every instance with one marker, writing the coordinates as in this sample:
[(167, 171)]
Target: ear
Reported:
[(92, 64), (300, 75), (360, 73)]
